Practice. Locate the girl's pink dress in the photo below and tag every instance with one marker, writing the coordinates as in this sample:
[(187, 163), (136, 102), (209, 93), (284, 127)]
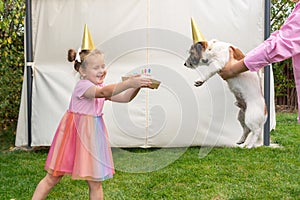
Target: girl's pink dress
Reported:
[(81, 146)]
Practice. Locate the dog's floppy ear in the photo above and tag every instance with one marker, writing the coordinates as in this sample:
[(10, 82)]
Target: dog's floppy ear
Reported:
[(198, 47), (204, 44), (237, 54)]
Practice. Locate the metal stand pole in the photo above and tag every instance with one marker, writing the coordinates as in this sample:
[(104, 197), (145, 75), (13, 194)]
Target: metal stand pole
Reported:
[(267, 75), (29, 62)]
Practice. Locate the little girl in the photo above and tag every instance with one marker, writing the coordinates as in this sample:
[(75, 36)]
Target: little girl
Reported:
[(80, 146)]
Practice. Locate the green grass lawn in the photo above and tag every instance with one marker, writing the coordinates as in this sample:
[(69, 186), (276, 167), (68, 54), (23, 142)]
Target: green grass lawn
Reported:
[(225, 173)]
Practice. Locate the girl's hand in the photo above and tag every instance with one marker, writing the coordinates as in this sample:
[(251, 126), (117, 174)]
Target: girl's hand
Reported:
[(136, 81)]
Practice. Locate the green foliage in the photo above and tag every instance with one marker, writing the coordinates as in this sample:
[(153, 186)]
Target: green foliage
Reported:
[(12, 15), (280, 9), (282, 81)]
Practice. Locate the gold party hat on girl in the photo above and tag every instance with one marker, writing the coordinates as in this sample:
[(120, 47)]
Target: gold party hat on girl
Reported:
[(87, 42), (197, 35)]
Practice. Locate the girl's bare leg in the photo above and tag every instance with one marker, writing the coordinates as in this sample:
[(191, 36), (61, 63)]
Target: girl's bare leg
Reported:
[(95, 189), (45, 186)]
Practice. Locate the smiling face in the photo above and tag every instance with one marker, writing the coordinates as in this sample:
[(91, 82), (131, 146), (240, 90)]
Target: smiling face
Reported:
[(94, 68)]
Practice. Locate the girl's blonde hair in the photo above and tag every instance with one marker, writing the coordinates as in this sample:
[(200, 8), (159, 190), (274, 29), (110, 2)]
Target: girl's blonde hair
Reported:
[(84, 54)]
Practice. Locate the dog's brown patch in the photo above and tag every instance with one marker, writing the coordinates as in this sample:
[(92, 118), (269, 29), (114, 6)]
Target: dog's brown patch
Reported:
[(204, 45), (237, 54)]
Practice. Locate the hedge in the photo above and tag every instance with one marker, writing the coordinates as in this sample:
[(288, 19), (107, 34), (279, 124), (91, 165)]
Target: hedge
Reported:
[(11, 61)]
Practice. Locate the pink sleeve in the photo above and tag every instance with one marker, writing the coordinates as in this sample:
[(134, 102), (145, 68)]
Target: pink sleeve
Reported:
[(82, 87), (282, 44)]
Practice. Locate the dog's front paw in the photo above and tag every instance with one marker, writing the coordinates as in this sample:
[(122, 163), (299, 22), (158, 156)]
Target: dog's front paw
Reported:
[(198, 83)]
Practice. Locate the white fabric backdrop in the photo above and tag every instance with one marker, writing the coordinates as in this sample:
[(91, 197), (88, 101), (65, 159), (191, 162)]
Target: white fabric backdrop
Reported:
[(136, 35)]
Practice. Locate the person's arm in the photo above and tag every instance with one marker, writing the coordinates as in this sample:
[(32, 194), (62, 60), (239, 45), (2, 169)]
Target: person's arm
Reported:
[(115, 89), (281, 45), (125, 96)]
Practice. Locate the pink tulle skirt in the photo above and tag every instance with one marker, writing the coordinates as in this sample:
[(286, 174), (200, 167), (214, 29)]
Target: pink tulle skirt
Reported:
[(81, 149)]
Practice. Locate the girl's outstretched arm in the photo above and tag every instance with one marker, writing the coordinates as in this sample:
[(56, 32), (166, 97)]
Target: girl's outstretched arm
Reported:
[(115, 89), (125, 96)]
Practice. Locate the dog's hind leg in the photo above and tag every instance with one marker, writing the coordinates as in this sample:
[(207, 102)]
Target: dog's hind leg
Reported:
[(254, 138), (246, 130), (255, 118)]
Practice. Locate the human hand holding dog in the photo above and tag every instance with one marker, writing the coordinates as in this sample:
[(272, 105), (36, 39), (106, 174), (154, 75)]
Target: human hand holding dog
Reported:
[(233, 67)]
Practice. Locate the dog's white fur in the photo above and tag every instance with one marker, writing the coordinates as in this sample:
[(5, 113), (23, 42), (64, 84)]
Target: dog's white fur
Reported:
[(245, 87)]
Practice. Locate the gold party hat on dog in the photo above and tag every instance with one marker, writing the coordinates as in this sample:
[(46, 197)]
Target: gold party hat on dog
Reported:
[(87, 42), (197, 35)]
